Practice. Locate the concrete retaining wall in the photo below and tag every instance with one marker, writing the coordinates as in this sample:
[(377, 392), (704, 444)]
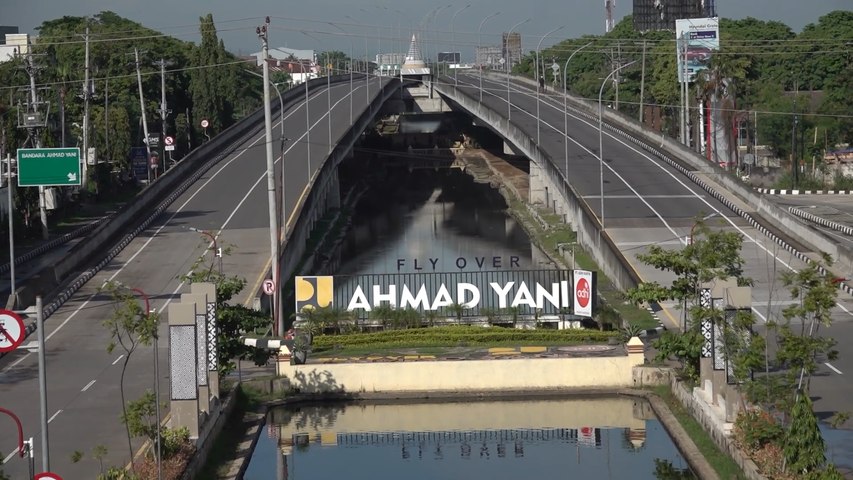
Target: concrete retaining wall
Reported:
[(519, 374)]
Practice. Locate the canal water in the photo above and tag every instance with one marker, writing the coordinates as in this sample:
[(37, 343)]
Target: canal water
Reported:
[(433, 221), (601, 438)]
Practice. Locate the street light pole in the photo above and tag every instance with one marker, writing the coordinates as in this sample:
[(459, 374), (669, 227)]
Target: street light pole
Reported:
[(45, 444), (212, 237), (508, 60), (537, 76), (566, 106), (350, 68), (600, 142), (453, 40), (157, 446), (479, 47), (263, 34)]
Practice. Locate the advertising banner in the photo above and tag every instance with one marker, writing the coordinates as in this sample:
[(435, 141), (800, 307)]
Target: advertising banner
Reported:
[(696, 39), (139, 162), (583, 292)]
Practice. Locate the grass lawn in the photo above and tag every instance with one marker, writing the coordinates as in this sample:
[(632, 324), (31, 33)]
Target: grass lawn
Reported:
[(558, 233), (726, 467), (449, 340)]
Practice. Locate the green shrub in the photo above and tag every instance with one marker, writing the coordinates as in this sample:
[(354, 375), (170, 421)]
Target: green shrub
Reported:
[(756, 428)]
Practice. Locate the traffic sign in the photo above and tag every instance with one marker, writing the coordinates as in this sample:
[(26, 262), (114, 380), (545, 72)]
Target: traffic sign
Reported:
[(555, 67), (48, 167), (269, 286), (205, 123), (170, 143), (47, 476), (12, 330)]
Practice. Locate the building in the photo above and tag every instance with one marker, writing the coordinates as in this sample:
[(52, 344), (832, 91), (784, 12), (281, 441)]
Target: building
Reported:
[(662, 14), (511, 43), (13, 43), (284, 53), (414, 66), (489, 57), (389, 64)]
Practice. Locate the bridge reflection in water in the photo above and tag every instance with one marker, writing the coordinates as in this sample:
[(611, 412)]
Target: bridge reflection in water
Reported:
[(606, 437)]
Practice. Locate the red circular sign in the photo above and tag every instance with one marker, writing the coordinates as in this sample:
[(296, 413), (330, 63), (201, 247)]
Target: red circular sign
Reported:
[(582, 293), (12, 331), (47, 476)]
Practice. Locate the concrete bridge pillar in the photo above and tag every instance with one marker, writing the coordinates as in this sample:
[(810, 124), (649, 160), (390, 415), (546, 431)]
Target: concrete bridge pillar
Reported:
[(538, 189)]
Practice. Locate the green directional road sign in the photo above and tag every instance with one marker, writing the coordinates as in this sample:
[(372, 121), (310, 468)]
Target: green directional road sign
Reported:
[(48, 167)]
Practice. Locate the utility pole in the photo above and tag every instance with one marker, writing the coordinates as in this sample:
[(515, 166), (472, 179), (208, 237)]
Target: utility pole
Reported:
[(33, 131), (642, 82), (142, 109), (278, 320), (164, 112), (616, 77), (107, 117), (87, 93)]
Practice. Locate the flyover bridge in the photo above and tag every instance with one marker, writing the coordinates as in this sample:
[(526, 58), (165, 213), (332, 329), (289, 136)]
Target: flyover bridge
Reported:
[(646, 200)]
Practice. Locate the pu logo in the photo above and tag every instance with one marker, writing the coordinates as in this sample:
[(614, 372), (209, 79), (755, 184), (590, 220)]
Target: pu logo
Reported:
[(314, 292), (582, 293)]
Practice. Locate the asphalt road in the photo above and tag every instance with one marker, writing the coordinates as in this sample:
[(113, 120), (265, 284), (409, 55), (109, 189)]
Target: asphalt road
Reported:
[(648, 202), (230, 199), (835, 208)]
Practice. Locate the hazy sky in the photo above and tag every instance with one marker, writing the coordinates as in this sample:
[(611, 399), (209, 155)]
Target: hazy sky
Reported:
[(376, 21)]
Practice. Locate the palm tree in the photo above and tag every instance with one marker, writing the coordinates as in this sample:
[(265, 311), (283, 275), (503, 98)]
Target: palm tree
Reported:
[(718, 83)]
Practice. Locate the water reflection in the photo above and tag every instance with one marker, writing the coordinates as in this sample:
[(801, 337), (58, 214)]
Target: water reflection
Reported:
[(427, 220), (570, 438)]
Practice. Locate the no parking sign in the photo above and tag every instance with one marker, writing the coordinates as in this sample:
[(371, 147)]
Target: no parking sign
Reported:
[(47, 476)]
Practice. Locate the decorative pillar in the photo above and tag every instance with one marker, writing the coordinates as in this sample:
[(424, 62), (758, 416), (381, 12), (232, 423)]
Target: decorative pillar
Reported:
[(209, 290), (183, 385), (200, 303)]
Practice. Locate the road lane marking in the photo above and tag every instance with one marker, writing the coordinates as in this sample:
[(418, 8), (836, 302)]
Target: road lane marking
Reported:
[(88, 385), (833, 368), (657, 163), (54, 415), (119, 358), (9, 457)]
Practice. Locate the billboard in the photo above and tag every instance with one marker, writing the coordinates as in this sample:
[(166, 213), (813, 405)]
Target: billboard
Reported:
[(449, 57), (696, 39), (653, 15), (528, 292)]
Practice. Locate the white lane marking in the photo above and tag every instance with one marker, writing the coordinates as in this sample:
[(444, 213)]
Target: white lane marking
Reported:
[(88, 385), (117, 359), (833, 368), (261, 136), (54, 415), (657, 163), (9, 457)]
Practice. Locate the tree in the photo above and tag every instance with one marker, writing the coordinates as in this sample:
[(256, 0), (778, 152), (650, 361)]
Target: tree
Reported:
[(129, 326), (233, 321), (804, 445)]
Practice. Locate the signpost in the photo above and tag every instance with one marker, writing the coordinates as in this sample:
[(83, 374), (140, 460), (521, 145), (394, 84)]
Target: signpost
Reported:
[(269, 286), (48, 167), (12, 331), (170, 143), (47, 476)]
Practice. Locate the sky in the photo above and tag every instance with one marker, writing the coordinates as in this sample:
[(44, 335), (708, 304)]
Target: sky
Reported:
[(382, 23)]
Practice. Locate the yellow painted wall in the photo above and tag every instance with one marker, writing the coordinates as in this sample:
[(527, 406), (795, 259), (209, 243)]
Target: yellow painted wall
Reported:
[(466, 375)]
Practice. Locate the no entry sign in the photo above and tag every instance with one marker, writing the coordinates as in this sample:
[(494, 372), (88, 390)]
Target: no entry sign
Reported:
[(11, 330)]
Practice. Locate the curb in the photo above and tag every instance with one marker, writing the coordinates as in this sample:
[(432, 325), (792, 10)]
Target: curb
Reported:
[(775, 191), (657, 330), (821, 221)]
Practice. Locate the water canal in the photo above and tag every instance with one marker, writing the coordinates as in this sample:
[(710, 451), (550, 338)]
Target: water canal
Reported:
[(604, 438)]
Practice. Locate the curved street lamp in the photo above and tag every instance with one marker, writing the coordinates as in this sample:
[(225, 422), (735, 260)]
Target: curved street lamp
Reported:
[(350, 67), (600, 151), (479, 47), (453, 38), (538, 47), (566, 107), (508, 63)]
